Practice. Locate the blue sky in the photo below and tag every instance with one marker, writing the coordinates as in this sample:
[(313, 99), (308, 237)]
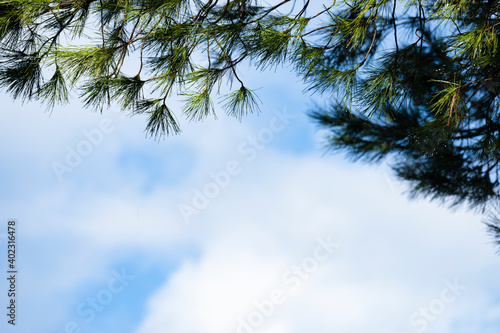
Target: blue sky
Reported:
[(258, 233), (118, 209)]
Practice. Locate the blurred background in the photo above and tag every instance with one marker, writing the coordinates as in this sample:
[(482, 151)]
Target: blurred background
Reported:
[(228, 227)]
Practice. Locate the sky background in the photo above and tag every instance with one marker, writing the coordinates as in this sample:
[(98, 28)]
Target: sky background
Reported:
[(397, 266)]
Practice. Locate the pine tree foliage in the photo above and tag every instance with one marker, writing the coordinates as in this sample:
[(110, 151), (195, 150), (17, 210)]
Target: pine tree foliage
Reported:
[(412, 79), (425, 98), (428, 100), (178, 48), (357, 49), (492, 222)]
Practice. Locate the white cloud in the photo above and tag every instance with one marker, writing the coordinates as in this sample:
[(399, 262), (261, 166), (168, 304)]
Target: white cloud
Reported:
[(394, 254)]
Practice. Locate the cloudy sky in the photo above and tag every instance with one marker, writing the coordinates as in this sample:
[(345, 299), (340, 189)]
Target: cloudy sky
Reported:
[(228, 227)]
